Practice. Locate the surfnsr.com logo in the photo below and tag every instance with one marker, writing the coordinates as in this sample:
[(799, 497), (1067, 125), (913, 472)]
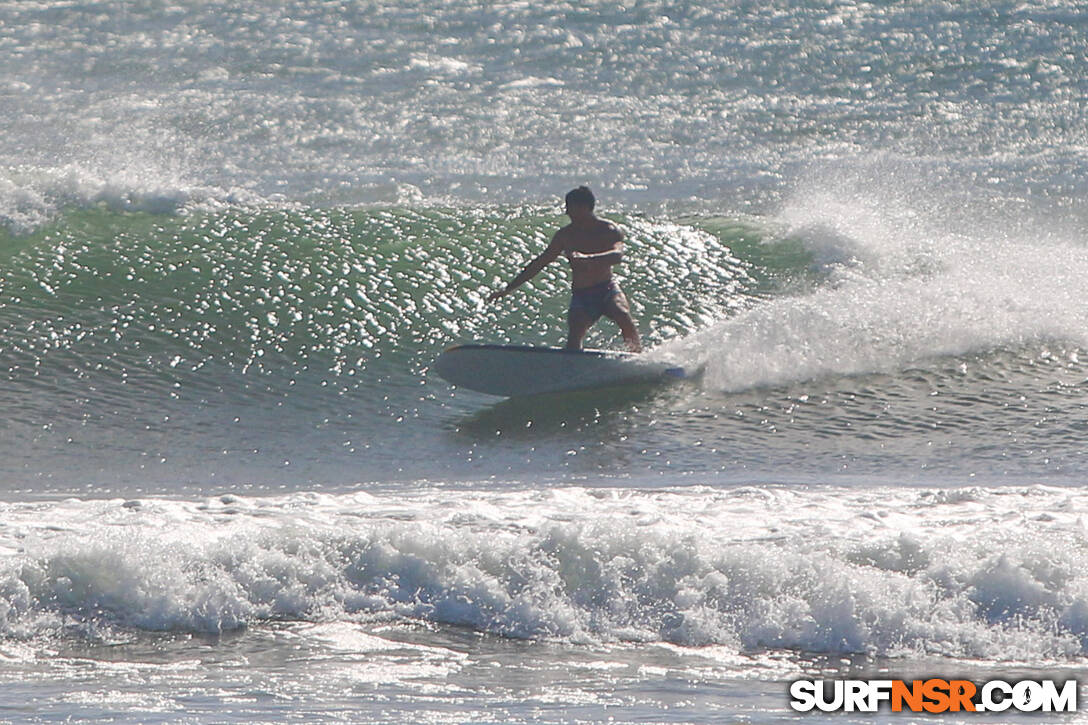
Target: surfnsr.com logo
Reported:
[(933, 695)]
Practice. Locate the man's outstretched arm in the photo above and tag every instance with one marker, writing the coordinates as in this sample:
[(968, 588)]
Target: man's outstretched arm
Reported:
[(542, 260)]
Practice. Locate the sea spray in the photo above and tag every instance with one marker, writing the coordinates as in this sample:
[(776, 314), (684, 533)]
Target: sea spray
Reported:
[(900, 277)]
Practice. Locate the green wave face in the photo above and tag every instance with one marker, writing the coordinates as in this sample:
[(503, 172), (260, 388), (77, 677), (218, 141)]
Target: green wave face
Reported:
[(334, 292)]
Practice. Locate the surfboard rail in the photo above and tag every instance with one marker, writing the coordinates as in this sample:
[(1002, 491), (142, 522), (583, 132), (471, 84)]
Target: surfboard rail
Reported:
[(522, 370)]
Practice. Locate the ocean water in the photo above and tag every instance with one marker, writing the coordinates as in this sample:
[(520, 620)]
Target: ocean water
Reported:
[(234, 237)]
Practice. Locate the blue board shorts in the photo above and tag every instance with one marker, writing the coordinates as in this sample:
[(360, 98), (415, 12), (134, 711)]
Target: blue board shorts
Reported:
[(591, 301)]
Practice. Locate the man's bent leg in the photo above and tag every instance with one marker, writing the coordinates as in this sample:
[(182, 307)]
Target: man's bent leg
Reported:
[(616, 310), (578, 324)]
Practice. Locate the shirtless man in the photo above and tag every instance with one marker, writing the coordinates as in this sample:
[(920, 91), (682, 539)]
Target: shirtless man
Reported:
[(592, 246)]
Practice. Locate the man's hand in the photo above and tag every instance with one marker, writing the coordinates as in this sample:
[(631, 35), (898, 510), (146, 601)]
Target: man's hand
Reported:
[(609, 256), (497, 294)]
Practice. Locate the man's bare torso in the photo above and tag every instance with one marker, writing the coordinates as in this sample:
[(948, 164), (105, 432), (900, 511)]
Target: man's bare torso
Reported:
[(590, 238)]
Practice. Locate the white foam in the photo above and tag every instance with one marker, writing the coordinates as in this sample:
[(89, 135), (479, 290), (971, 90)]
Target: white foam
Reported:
[(32, 196), (987, 577), (441, 65)]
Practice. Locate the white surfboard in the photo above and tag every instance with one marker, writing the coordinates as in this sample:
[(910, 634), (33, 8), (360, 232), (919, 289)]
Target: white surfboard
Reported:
[(515, 370)]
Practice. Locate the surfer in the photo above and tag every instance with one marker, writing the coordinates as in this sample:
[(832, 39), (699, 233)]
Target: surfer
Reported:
[(593, 246)]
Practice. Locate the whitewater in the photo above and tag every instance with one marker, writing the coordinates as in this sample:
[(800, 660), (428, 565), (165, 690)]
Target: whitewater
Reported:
[(235, 236)]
